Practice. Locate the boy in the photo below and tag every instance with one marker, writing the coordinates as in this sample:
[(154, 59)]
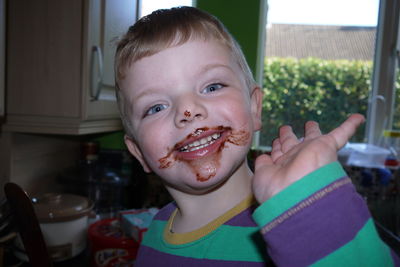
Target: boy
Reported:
[(189, 105)]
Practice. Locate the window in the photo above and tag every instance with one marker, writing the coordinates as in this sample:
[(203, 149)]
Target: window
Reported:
[(148, 6), (320, 63), (384, 105)]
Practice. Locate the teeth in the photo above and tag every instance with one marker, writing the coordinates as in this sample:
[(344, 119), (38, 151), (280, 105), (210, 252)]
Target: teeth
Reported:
[(199, 144), (198, 132), (195, 143)]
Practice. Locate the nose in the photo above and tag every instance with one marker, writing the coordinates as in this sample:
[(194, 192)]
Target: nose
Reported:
[(189, 108)]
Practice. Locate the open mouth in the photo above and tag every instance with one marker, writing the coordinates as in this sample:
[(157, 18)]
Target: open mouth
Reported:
[(203, 146), (197, 145), (200, 143)]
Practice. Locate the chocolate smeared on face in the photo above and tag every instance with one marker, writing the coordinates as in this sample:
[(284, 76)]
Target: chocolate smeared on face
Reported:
[(166, 161), (239, 138), (204, 167), (187, 113), (205, 170)]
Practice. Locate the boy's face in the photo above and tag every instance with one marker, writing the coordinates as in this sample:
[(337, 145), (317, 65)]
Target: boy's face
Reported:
[(192, 115)]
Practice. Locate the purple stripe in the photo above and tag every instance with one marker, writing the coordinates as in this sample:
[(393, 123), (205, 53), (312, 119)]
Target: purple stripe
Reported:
[(243, 219), (164, 213), (396, 259), (319, 227), (150, 257)]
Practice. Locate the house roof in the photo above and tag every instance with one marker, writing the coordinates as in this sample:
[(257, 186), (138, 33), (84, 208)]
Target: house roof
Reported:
[(320, 41)]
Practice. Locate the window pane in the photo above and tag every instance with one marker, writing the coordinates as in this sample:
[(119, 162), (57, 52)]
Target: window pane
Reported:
[(318, 63), (148, 6)]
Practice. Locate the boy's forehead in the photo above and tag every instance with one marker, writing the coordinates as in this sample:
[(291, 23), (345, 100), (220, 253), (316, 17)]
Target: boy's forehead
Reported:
[(197, 56)]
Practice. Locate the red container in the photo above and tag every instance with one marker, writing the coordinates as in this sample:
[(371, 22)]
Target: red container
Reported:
[(109, 246)]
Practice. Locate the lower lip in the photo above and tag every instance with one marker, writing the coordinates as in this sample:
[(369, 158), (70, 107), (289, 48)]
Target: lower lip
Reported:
[(202, 152)]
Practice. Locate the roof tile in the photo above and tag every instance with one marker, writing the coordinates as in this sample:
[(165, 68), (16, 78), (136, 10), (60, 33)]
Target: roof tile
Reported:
[(320, 41)]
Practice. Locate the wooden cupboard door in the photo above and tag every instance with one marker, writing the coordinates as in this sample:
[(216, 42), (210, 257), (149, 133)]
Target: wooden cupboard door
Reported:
[(44, 44), (110, 19)]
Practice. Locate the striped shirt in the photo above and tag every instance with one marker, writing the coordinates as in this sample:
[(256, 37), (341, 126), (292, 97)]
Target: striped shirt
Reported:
[(319, 220)]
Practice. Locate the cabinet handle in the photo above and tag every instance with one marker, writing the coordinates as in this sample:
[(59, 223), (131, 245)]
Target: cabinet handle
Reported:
[(95, 87)]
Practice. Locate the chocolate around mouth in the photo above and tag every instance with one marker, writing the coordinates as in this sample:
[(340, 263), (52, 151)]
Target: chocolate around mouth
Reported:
[(239, 138), (200, 139), (171, 156)]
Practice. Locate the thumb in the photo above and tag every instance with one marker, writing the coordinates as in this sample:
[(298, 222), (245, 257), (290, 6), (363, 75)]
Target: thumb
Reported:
[(262, 160)]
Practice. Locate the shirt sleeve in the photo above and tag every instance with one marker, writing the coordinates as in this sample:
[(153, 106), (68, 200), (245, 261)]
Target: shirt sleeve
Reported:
[(321, 220)]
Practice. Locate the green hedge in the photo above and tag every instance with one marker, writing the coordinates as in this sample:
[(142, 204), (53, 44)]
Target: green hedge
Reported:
[(327, 91)]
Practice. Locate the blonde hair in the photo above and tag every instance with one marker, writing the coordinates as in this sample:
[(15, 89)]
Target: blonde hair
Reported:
[(167, 28)]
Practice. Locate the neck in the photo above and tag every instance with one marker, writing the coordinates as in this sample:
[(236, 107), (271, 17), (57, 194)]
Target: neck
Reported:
[(195, 211)]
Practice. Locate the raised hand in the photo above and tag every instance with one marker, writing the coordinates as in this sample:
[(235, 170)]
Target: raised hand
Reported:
[(292, 158)]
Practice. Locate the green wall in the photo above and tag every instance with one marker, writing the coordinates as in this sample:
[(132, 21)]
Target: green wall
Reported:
[(244, 20), (114, 140)]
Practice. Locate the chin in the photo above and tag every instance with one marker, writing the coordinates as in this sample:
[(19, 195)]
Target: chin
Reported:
[(193, 184), (197, 188)]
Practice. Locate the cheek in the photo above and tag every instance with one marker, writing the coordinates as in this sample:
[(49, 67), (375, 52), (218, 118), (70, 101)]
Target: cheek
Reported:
[(237, 106), (152, 143)]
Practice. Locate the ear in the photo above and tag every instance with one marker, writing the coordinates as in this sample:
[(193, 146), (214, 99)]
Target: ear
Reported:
[(256, 98), (135, 151)]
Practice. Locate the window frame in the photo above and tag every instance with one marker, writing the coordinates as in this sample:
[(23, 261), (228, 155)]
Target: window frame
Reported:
[(385, 64), (382, 96)]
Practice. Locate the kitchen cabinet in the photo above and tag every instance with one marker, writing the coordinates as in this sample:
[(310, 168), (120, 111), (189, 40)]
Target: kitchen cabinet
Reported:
[(60, 57)]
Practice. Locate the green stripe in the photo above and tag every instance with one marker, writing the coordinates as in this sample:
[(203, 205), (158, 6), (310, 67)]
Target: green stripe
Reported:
[(297, 192), (245, 244), (366, 249), (153, 236)]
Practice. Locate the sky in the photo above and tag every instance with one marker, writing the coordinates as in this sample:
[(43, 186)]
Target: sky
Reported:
[(325, 12), (150, 5)]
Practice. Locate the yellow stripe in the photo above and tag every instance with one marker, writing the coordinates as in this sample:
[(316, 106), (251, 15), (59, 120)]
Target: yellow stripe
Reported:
[(182, 238)]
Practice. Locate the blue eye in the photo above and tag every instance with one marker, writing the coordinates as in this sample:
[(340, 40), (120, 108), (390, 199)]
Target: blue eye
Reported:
[(155, 109), (212, 87)]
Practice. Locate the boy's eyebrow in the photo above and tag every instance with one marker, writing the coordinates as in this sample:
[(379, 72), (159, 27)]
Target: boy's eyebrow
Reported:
[(205, 69), (144, 93), (214, 66)]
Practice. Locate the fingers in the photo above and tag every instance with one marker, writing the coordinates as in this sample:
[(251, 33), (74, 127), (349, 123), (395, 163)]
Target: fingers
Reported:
[(287, 138), (311, 130), (276, 149), (261, 161), (347, 129)]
